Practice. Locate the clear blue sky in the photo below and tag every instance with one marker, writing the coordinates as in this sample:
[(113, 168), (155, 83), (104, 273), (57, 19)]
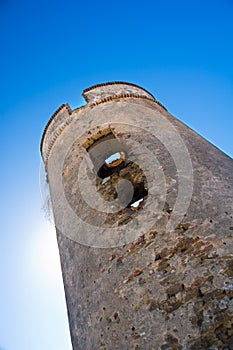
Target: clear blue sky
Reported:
[(181, 51)]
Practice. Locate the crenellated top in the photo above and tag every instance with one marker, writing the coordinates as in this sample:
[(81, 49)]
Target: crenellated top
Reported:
[(56, 124), (113, 90), (94, 95)]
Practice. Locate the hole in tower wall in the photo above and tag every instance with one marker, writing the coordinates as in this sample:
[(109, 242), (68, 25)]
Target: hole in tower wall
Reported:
[(115, 159), (106, 153), (135, 205), (139, 196), (112, 165)]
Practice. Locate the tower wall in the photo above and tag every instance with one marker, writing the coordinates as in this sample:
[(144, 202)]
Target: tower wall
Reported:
[(145, 241)]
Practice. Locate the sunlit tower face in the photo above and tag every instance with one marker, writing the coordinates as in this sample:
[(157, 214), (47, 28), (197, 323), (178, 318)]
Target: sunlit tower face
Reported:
[(143, 213)]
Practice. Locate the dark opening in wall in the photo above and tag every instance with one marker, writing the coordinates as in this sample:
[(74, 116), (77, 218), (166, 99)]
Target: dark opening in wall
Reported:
[(140, 194), (111, 163), (113, 166)]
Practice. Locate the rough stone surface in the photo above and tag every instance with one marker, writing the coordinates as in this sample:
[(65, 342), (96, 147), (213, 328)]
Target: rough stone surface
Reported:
[(164, 290)]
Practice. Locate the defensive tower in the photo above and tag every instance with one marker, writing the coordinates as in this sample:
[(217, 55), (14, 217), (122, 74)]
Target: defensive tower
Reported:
[(143, 212)]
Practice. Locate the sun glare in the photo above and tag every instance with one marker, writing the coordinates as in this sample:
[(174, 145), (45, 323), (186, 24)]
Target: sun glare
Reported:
[(45, 251)]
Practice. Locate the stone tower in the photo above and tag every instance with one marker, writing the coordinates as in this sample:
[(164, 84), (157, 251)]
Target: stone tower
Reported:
[(143, 212)]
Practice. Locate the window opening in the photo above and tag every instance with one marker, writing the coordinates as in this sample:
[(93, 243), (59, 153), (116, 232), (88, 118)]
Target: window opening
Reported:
[(111, 164), (115, 159)]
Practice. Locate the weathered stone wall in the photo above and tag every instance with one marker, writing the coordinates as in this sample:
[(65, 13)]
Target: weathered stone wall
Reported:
[(166, 288)]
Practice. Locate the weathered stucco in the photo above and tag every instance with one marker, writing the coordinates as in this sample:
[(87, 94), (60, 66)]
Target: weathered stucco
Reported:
[(164, 289)]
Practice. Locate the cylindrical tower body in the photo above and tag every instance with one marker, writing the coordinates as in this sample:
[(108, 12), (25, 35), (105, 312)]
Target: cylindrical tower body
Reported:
[(143, 212)]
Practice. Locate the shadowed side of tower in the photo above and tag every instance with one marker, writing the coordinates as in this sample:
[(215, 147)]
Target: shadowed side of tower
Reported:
[(143, 212)]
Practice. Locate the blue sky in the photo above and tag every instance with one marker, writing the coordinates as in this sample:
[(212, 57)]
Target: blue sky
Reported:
[(181, 51)]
